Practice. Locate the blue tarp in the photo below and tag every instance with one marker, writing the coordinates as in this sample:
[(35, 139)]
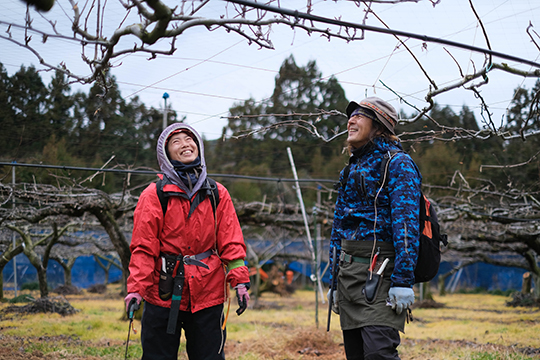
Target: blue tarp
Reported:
[(85, 272), (480, 275)]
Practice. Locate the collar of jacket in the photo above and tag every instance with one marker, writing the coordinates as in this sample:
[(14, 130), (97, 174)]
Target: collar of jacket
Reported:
[(359, 152), (167, 186)]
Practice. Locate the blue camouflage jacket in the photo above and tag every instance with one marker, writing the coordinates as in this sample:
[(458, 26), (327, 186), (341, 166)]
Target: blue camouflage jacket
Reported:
[(397, 210)]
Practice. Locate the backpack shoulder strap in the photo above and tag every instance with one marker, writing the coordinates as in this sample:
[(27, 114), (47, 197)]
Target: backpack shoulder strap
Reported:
[(343, 179), (163, 200), (385, 164), (425, 207), (212, 192), (341, 183)]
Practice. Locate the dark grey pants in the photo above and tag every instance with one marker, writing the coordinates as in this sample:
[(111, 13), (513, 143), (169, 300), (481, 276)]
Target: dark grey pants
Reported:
[(204, 338), (371, 343)]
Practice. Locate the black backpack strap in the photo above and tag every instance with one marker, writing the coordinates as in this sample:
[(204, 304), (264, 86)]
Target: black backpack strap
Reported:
[(346, 170), (341, 183), (213, 193), (385, 164), (163, 200), (209, 190)]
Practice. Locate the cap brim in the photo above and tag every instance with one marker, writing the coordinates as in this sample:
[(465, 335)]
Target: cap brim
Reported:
[(353, 105)]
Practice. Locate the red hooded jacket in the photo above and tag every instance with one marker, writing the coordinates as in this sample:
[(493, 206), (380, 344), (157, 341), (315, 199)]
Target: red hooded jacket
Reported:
[(177, 234)]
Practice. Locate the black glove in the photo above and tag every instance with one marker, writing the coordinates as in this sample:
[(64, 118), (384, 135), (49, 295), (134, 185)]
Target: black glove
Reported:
[(242, 296)]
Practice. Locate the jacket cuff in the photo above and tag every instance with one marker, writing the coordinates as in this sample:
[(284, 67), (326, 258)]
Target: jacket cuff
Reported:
[(239, 275), (401, 285), (233, 264)]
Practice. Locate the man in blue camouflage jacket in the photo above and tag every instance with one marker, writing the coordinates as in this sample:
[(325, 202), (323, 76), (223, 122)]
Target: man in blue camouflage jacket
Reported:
[(375, 219)]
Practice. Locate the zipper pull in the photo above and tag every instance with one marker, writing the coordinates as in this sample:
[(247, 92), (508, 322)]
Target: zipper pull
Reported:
[(406, 242), (363, 189)]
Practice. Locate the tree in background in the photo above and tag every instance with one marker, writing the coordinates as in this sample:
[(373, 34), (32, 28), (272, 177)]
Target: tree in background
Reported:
[(59, 104), (52, 125), (523, 116), (264, 130), (27, 130), (7, 113)]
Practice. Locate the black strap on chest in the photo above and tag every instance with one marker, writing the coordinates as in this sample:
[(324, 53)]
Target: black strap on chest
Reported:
[(385, 163), (346, 170)]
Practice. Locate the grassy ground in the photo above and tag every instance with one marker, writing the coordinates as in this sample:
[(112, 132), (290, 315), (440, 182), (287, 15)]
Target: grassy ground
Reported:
[(469, 326)]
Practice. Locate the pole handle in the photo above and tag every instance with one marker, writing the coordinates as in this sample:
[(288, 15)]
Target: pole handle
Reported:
[(132, 307)]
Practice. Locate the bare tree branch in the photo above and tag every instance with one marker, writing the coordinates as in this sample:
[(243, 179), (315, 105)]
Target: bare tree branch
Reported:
[(510, 166)]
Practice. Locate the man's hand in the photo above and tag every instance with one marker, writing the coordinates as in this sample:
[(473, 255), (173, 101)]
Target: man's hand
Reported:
[(400, 298), (335, 307), (243, 298)]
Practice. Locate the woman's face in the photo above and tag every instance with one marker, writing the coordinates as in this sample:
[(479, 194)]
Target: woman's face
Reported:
[(182, 148), (359, 127)]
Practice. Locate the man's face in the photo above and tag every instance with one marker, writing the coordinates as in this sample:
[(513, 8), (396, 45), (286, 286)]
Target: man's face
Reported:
[(182, 148), (359, 128)]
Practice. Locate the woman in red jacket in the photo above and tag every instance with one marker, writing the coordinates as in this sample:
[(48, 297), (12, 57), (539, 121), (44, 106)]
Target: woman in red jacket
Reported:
[(184, 254)]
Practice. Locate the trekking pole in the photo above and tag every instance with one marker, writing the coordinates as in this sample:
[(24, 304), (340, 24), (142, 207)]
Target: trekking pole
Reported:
[(132, 307)]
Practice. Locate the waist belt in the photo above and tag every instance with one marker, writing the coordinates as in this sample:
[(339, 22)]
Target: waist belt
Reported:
[(200, 256), (350, 258)]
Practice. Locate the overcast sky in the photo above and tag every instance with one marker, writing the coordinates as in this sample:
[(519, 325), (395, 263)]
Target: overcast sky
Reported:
[(210, 71)]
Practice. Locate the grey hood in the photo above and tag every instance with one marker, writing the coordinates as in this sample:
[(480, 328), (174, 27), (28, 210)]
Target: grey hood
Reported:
[(166, 165)]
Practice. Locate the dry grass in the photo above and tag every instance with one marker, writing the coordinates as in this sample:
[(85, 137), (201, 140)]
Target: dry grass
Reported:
[(478, 320), (467, 327)]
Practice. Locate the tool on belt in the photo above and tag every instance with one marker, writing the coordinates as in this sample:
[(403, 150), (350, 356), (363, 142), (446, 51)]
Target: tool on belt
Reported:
[(333, 285), (166, 291), (373, 282)]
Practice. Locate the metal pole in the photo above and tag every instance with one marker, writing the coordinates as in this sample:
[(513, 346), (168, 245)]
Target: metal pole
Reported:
[(318, 240), (310, 244), (316, 270), (165, 97), (13, 233)]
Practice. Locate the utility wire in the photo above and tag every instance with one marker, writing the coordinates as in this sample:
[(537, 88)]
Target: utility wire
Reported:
[(151, 172), (426, 38)]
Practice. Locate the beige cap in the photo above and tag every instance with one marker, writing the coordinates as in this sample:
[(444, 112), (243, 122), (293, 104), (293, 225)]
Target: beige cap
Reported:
[(386, 114)]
